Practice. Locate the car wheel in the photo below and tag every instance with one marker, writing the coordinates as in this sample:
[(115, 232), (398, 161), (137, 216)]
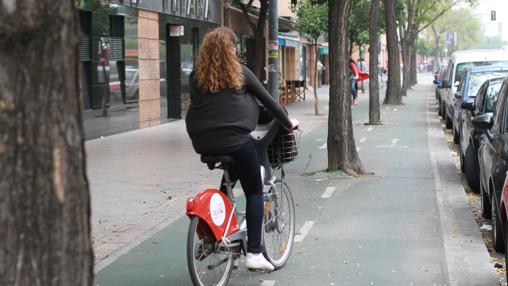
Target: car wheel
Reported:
[(455, 136), (443, 111), (471, 169), (506, 253), (497, 235), (485, 202), (448, 122), (461, 156), (439, 108)]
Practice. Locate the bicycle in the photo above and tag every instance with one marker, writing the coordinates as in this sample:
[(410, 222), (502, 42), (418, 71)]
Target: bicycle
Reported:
[(217, 237)]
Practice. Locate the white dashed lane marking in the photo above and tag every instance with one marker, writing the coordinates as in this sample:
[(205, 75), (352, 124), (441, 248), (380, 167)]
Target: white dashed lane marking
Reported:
[(304, 231), (395, 141), (363, 139), (370, 129), (322, 146), (328, 192), (268, 283)]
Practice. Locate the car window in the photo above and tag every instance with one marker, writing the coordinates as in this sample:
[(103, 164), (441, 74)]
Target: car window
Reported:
[(491, 96), (462, 83), (477, 79), (449, 72), (461, 68), (498, 112), (478, 101)]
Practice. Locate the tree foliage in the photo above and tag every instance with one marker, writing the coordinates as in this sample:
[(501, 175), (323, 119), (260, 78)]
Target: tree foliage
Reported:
[(465, 24), (359, 22), (312, 18)]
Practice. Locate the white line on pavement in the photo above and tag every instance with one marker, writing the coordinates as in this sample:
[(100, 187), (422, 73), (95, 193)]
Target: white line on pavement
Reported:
[(370, 129), (304, 231), (328, 192), (395, 109), (267, 283), (322, 146), (358, 149), (395, 141), (363, 139)]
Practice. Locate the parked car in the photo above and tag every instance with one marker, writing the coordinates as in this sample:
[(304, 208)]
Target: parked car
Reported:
[(468, 87), (440, 93), (504, 215), (493, 159), (484, 103), (458, 63)]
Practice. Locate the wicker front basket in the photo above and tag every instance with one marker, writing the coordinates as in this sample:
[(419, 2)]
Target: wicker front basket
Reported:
[(284, 148)]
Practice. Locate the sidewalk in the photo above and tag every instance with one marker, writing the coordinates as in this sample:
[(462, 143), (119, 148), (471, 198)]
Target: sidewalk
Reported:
[(407, 223), (139, 180)]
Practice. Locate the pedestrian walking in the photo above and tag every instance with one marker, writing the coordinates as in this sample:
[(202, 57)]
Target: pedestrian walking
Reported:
[(354, 75)]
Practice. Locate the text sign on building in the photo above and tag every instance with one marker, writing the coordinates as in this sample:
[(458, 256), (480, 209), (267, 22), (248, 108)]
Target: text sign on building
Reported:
[(176, 31)]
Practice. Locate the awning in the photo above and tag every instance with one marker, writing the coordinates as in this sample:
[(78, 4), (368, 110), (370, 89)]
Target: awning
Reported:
[(289, 41), (323, 48)]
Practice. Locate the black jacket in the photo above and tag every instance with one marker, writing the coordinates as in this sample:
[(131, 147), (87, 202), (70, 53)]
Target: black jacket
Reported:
[(220, 123)]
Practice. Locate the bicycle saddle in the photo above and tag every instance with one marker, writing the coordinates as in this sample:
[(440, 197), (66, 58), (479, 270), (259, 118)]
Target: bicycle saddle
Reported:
[(212, 161)]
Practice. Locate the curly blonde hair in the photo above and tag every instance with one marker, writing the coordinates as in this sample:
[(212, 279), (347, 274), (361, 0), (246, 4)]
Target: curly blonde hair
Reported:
[(217, 64)]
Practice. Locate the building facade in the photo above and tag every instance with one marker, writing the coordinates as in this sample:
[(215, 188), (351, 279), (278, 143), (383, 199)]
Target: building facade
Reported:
[(136, 58)]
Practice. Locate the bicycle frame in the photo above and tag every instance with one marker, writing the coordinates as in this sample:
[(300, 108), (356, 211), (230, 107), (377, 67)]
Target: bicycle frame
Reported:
[(218, 211)]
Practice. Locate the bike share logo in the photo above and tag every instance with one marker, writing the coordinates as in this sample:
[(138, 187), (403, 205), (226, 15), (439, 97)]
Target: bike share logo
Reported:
[(217, 209)]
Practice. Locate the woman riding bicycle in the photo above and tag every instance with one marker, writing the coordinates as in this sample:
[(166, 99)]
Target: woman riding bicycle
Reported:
[(222, 114)]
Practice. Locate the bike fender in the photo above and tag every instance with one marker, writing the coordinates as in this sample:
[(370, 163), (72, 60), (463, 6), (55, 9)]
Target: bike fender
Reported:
[(214, 209)]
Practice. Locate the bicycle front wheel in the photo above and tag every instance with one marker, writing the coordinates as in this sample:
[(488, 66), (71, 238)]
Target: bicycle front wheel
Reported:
[(278, 224), (209, 262)]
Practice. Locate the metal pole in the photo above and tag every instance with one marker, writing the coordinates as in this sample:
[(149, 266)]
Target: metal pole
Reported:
[(273, 50)]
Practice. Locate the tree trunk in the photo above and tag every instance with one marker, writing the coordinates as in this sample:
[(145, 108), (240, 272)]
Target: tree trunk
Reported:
[(260, 40), (374, 114), (258, 30), (413, 65), (435, 51), (405, 65), (44, 198), (393, 90), (351, 43), (342, 154), (316, 78)]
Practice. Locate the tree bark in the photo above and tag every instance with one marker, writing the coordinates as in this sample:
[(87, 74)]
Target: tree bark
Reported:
[(435, 52), (342, 154), (405, 63), (413, 78), (393, 90), (260, 39), (405, 33), (316, 78), (258, 29), (351, 43), (374, 112), (44, 197)]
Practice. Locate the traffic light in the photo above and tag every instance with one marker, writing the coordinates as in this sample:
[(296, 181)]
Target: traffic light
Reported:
[(493, 15)]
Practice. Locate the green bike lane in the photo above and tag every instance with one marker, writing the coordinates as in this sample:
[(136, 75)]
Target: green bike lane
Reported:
[(380, 229)]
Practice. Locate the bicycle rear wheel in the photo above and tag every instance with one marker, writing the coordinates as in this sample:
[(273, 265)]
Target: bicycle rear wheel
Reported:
[(278, 224), (209, 262)]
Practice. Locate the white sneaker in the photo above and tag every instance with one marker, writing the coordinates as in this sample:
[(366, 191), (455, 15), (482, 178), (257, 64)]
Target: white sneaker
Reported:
[(256, 262)]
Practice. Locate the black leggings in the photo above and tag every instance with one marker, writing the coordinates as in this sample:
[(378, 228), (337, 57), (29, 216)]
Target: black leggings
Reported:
[(247, 170)]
